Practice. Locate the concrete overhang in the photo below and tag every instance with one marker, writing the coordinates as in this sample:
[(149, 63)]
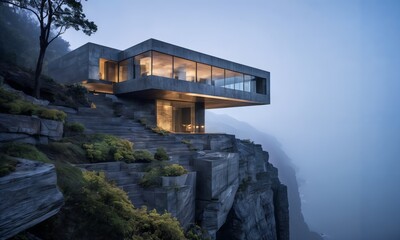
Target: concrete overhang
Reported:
[(154, 87)]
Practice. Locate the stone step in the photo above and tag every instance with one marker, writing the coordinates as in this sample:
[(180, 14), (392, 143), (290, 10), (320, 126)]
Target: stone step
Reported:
[(133, 188)]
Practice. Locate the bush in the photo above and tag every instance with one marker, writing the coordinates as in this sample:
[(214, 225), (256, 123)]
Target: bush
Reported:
[(161, 155), (7, 165), (152, 178), (52, 114), (160, 131), (103, 147), (97, 209), (12, 104), (23, 150), (174, 170), (143, 156), (74, 127)]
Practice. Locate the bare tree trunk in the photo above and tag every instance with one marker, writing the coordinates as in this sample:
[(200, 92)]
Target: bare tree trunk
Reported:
[(39, 66)]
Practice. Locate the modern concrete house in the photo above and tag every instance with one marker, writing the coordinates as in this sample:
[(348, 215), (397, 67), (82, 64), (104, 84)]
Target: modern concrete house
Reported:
[(179, 83)]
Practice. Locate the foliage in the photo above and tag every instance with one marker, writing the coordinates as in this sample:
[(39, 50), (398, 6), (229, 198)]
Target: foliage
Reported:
[(152, 177), (74, 127), (186, 141), (195, 232), (58, 15), (23, 150), (143, 156), (19, 42), (97, 209), (103, 147), (11, 103), (173, 170), (160, 131), (7, 165), (53, 114), (161, 155)]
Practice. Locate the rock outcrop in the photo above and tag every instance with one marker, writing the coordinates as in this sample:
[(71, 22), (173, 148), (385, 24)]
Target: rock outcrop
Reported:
[(28, 196), (29, 129), (260, 209)]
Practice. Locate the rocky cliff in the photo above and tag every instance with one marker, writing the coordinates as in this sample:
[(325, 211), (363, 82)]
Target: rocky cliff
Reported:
[(28, 196)]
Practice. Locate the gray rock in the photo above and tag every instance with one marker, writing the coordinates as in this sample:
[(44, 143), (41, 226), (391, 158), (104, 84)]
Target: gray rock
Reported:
[(29, 129), (28, 196)]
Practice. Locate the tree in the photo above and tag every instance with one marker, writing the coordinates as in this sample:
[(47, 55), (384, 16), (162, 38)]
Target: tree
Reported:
[(57, 16)]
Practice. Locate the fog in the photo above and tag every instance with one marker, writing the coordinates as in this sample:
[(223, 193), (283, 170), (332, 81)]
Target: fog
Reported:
[(335, 83)]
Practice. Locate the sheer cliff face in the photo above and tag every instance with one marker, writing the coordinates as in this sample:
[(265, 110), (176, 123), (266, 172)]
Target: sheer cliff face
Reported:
[(222, 123), (260, 207), (238, 193)]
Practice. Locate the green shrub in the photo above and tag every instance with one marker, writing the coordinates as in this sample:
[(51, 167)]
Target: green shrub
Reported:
[(7, 165), (6, 96), (52, 114), (23, 150), (160, 131), (11, 103), (173, 170), (161, 155), (74, 127), (152, 177), (96, 209), (143, 156), (103, 147)]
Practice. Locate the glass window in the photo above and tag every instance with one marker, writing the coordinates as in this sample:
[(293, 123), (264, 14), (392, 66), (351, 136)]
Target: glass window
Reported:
[(108, 70), (184, 69), (218, 76), (125, 70), (233, 80), (203, 73), (143, 65), (162, 65), (175, 116), (247, 83)]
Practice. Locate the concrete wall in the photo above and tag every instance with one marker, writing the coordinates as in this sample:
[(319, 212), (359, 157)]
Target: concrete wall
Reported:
[(80, 64)]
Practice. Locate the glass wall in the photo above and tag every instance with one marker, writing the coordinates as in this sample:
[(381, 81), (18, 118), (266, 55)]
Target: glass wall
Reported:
[(233, 80), (162, 65), (176, 116), (125, 70), (184, 69), (203, 73), (142, 65), (108, 70), (218, 77)]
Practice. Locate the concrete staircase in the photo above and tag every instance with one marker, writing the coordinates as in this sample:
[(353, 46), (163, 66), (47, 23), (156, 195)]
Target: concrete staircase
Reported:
[(102, 120)]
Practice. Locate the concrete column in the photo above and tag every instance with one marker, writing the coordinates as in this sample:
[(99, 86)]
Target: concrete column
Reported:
[(200, 117)]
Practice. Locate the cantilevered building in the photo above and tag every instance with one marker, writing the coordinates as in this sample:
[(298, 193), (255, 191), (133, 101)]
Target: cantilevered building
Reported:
[(178, 82)]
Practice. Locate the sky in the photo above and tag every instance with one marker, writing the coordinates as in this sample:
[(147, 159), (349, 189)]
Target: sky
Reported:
[(335, 83)]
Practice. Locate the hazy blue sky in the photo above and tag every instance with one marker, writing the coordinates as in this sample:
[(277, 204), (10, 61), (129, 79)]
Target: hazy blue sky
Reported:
[(335, 83)]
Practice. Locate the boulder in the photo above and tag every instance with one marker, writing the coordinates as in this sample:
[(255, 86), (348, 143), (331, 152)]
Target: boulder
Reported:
[(28, 196)]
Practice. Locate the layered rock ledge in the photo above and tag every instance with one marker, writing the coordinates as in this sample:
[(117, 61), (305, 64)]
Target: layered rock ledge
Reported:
[(28, 196)]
